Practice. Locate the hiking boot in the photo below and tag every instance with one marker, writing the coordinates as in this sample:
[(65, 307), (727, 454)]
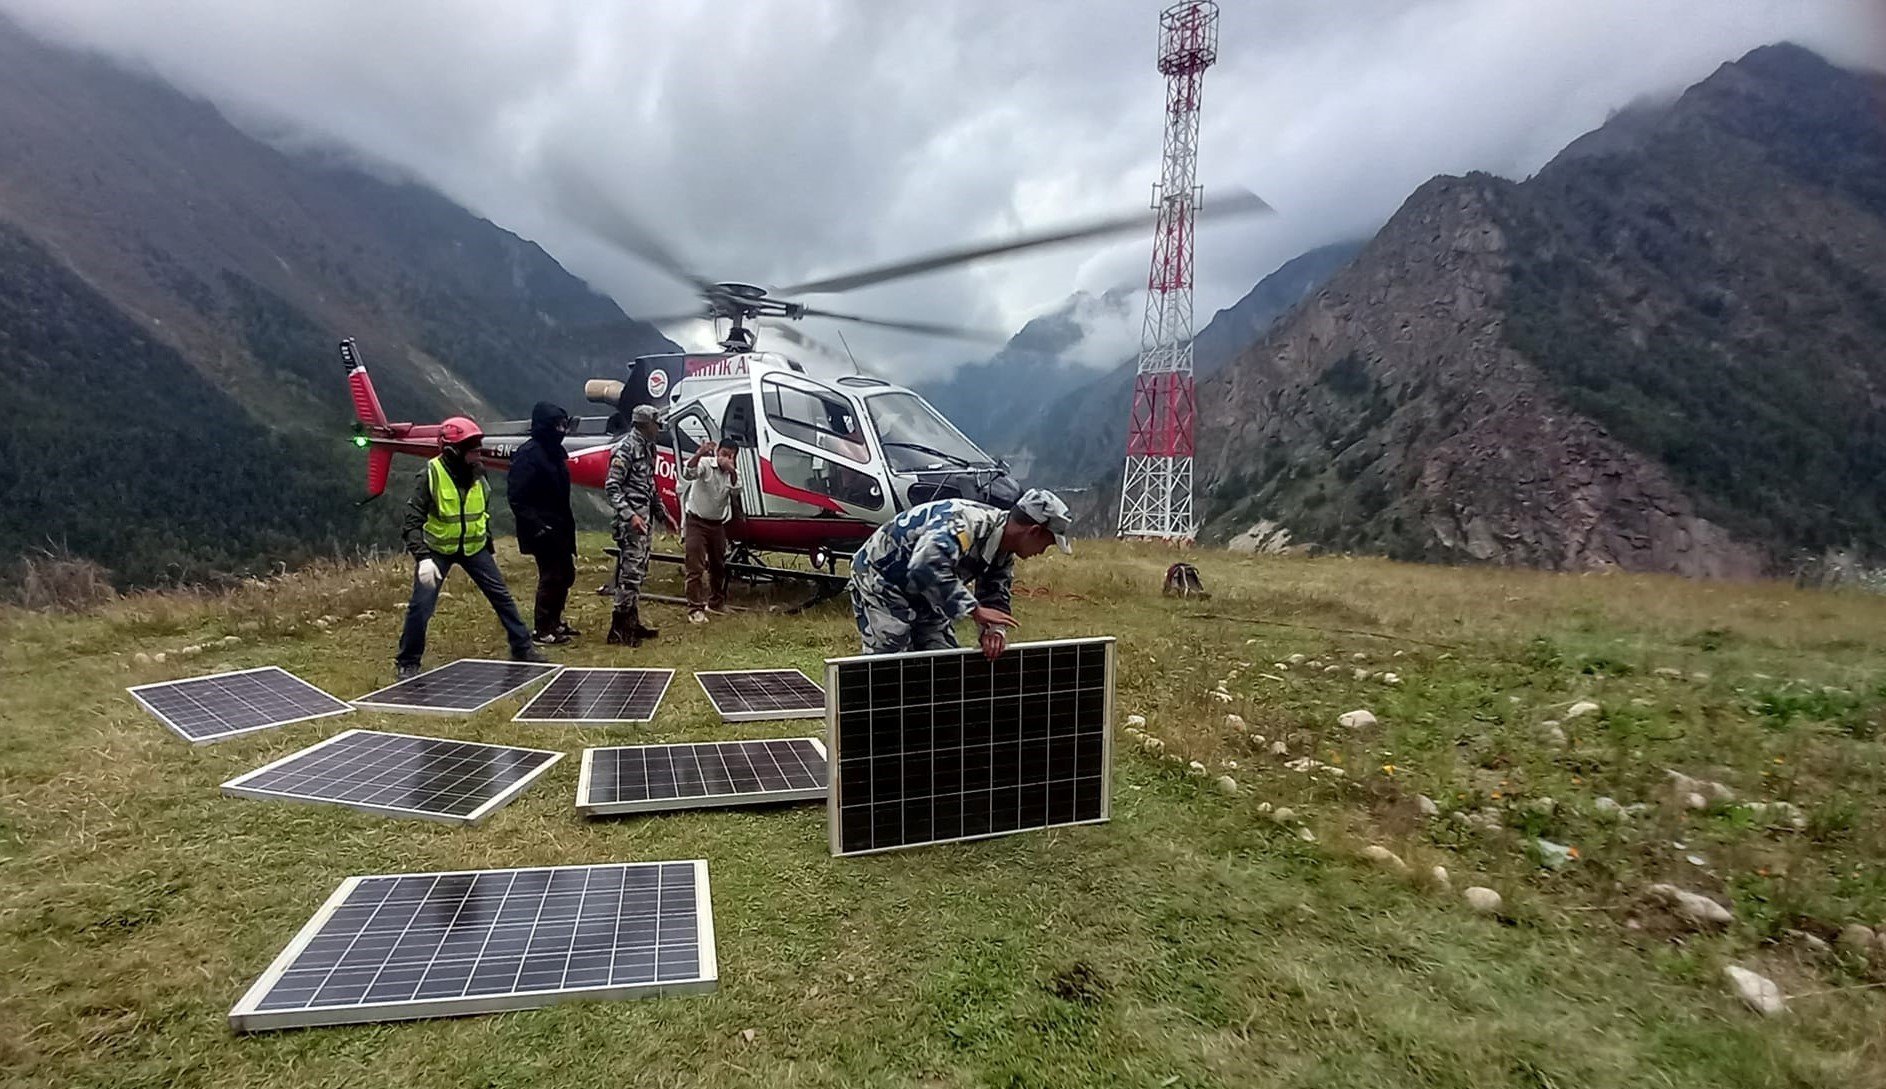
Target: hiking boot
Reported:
[(402, 672), (697, 616), (563, 628), (619, 630), (528, 654), (640, 630)]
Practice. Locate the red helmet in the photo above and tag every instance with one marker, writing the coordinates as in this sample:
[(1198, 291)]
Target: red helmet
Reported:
[(459, 430)]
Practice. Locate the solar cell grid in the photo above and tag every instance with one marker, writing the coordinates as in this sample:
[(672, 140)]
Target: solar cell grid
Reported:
[(459, 782), (222, 705), (462, 687), (402, 946), (940, 746), (751, 695), (643, 778), (590, 694)]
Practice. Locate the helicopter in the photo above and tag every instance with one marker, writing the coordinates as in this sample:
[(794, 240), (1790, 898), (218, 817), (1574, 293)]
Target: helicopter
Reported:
[(822, 464)]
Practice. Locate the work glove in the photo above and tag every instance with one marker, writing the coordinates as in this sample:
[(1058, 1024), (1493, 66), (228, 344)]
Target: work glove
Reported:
[(429, 574)]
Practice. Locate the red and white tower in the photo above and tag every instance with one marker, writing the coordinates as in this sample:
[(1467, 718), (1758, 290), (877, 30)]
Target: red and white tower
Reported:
[(1156, 496)]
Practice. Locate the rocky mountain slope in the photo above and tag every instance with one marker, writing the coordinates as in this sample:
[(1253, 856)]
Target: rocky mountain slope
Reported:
[(1660, 353), (175, 289)]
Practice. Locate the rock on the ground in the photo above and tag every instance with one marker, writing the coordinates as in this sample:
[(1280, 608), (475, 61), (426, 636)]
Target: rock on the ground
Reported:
[(1152, 744), (1227, 785), (1278, 748), (1439, 876), (1813, 943), (1695, 800), (159, 657), (1195, 768), (1778, 813), (1668, 674), (1482, 899), (1385, 858), (1283, 814), (1427, 806), (141, 658), (1856, 938), (1136, 721), (1553, 735), (1581, 709), (1391, 678), (1356, 720), (1758, 992), (1692, 908), (1306, 835), (1220, 695), (1235, 722), (1297, 659), (1607, 807), (1554, 856)]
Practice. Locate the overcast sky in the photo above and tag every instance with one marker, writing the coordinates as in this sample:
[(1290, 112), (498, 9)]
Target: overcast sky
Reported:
[(771, 141)]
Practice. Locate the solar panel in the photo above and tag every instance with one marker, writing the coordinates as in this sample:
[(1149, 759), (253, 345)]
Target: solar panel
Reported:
[(205, 709), (599, 695), (400, 946), (939, 746), (753, 695), (642, 778), (458, 782), (464, 686)]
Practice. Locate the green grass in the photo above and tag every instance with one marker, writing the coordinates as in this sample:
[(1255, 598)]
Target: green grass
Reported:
[(1189, 942)]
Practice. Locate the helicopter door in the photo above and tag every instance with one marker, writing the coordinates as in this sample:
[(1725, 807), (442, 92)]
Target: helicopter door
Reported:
[(687, 432), (816, 459)]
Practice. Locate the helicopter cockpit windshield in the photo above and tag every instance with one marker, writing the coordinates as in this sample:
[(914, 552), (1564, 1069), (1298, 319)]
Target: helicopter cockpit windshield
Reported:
[(915, 437)]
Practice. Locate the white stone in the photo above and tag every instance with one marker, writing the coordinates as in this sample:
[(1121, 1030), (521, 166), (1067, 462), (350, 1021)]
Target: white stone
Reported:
[(1695, 800), (1281, 667), (1306, 835), (1581, 709), (1667, 672), (1362, 674), (1427, 806), (1236, 722), (1778, 813), (1482, 899), (1283, 814), (1856, 938), (1304, 764), (1195, 768), (1227, 785), (1606, 806), (1135, 721), (1358, 656), (190, 651), (1692, 908), (1555, 736), (1232, 764), (1220, 695), (1153, 744), (1544, 807), (1554, 856), (1332, 669), (1315, 663), (1439, 876), (1356, 720), (1385, 858), (1278, 748), (1263, 807), (1297, 659), (158, 658), (1719, 792), (321, 622), (1815, 943), (231, 640), (141, 658), (1758, 992)]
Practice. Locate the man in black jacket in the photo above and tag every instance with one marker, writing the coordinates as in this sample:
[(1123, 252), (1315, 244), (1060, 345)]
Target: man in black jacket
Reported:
[(539, 491)]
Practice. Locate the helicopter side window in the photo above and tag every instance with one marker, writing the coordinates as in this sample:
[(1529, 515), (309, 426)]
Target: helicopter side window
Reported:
[(736, 424), (816, 419), (690, 431), (812, 473)]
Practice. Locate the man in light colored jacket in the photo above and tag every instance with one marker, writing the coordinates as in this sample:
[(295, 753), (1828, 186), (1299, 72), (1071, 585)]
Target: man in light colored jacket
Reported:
[(712, 481)]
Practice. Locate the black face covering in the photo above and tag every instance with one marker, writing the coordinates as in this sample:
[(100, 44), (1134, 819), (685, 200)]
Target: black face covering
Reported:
[(549, 423)]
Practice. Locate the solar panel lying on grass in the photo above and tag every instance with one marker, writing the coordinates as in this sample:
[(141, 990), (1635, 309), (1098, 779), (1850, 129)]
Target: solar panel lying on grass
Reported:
[(586, 694), (642, 778), (464, 686), (400, 946), (205, 709), (937, 746), (753, 695), (458, 782)]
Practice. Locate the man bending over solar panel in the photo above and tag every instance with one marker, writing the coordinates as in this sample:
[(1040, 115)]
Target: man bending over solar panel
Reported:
[(909, 581), (448, 524)]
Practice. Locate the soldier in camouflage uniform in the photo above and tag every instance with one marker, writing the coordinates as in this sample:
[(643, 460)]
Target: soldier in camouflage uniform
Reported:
[(908, 582), (631, 490)]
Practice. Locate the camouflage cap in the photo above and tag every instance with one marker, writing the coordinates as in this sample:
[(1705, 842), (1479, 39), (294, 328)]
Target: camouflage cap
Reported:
[(1045, 508), (646, 414)]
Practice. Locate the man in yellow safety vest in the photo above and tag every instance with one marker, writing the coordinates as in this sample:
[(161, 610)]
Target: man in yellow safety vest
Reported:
[(448, 523)]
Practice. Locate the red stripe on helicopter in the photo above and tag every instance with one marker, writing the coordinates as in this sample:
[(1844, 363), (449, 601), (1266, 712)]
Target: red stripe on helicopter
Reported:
[(770, 483)]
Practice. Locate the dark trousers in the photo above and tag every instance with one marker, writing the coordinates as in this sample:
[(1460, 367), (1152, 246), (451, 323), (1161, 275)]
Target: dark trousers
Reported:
[(483, 569), (556, 573), (705, 544)]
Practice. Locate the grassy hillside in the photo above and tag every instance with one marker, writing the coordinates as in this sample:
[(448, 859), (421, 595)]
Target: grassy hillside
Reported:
[(1193, 941)]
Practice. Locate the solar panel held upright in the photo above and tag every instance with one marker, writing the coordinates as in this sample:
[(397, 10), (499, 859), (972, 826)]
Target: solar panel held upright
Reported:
[(941, 746)]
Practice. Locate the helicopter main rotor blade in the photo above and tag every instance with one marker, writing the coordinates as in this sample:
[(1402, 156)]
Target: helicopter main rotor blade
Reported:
[(590, 207), (927, 328), (1236, 203), (793, 335)]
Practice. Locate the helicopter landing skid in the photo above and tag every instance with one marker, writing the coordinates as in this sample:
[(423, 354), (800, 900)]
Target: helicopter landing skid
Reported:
[(826, 585)]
